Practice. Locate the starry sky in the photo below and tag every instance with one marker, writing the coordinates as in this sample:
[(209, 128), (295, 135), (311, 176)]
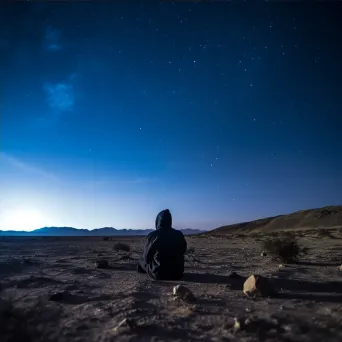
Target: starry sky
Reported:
[(220, 111)]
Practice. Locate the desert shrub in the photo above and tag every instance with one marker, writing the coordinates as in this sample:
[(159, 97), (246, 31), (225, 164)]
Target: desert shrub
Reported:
[(190, 250), (283, 249), (239, 236), (106, 238), (121, 247), (323, 233)]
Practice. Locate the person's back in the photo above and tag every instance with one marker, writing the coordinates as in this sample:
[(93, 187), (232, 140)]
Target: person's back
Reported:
[(164, 251)]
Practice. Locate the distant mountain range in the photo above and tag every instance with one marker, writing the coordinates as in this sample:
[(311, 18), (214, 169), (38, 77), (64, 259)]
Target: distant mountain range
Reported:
[(70, 231)]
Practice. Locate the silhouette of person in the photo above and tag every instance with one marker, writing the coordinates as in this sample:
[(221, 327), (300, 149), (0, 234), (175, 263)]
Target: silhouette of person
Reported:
[(163, 257)]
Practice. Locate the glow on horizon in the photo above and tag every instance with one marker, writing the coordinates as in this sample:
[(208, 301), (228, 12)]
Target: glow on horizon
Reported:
[(22, 219)]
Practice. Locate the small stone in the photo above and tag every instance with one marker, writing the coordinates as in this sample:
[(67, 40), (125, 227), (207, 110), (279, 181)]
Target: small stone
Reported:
[(127, 322), (275, 321), (257, 285), (247, 321), (263, 254), (237, 325), (340, 268), (281, 265), (184, 293), (59, 296), (248, 310), (101, 264), (287, 327)]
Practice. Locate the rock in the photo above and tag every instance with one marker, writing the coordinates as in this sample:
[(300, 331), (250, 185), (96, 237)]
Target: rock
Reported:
[(59, 296), (281, 265), (127, 322), (263, 254), (241, 324), (340, 268), (184, 293), (101, 264), (257, 285), (237, 325)]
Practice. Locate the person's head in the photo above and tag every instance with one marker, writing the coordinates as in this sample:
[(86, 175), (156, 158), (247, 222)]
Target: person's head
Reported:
[(164, 219)]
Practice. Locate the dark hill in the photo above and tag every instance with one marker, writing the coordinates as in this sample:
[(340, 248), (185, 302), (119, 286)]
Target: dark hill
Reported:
[(326, 217)]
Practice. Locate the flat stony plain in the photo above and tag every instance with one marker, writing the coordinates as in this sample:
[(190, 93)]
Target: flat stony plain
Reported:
[(51, 290)]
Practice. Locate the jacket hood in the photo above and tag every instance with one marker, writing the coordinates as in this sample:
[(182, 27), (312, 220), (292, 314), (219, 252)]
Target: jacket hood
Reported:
[(164, 219)]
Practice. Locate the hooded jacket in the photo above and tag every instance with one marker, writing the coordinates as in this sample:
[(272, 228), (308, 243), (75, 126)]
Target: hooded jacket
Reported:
[(165, 249)]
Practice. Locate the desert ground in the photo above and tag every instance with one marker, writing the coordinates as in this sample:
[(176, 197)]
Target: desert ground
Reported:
[(52, 290)]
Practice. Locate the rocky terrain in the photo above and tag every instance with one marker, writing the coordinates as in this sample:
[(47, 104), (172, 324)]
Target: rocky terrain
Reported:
[(87, 289)]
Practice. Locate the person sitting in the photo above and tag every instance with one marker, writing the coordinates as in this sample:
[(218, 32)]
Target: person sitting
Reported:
[(163, 257)]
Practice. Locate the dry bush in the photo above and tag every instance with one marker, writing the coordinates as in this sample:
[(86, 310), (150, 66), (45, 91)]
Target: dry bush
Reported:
[(106, 238), (121, 247), (239, 236), (284, 249), (324, 233)]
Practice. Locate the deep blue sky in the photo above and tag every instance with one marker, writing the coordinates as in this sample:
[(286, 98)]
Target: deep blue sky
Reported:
[(220, 112)]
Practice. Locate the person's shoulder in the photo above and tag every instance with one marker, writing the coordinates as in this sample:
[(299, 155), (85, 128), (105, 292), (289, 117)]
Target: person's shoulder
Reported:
[(152, 235), (178, 232)]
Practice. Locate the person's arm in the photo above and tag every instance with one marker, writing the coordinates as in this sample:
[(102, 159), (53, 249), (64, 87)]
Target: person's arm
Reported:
[(184, 243), (149, 250)]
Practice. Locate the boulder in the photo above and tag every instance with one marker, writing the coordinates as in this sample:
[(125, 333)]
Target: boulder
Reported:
[(184, 293), (257, 285), (101, 263)]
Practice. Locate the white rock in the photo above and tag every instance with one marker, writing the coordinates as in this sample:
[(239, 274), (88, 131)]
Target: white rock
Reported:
[(183, 293), (257, 285)]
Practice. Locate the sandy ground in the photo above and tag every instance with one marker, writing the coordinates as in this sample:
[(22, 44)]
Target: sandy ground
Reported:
[(94, 301)]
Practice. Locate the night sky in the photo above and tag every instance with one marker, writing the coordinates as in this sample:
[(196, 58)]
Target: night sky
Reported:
[(221, 112)]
